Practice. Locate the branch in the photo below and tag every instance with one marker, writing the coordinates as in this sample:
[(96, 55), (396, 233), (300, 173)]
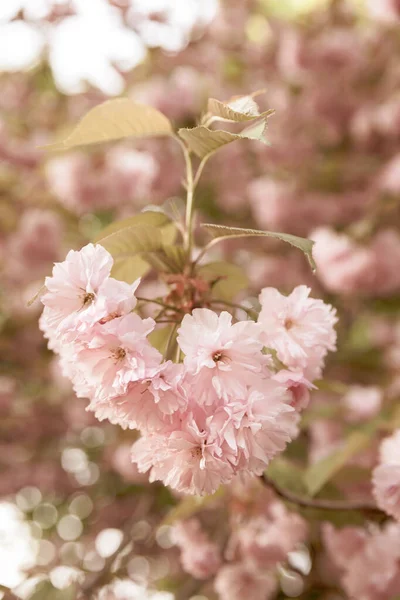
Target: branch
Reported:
[(316, 503)]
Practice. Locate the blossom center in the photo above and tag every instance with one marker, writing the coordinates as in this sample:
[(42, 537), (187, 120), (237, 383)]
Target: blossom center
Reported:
[(217, 356), (289, 323), (88, 298), (196, 452), (119, 354)]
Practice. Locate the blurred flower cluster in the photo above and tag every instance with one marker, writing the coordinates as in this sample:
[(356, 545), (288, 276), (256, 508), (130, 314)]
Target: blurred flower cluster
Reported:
[(77, 518)]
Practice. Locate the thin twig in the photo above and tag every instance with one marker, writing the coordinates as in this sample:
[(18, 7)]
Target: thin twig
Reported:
[(160, 303), (316, 503), (251, 312)]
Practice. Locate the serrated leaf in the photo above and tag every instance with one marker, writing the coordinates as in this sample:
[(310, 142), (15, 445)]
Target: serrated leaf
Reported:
[(237, 110), (146, 218), (114, 120), (318, 474), (230, 279), (204, 141), (223, 232)]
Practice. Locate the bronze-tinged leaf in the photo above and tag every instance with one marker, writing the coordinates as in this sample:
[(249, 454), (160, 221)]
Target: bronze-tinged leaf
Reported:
[(132, 240), (229, 279), (115, 120), (204, 141), (169, 258), (129, 268), (303, 244), (237, 110), (150, 218)]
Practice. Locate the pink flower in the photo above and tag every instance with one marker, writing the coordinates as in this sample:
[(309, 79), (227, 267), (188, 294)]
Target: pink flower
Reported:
[(186, 458), (267, 540), (73, 286), (300, 329), (200, 557), (343, 544), (362, 402), (114, 299), (222, 358), (257, 427), (237, 581), (343, 266), (117, 354), (297, 385), (148, 404), (386, 476), (386, 488), (389, 451)]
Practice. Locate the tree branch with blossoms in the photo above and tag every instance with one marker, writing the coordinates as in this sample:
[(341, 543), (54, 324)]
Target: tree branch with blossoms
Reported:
[(215, 387)]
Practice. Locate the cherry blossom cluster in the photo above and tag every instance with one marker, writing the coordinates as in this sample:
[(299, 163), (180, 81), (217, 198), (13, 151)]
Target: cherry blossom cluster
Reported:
[(229, 407), (366, 561)]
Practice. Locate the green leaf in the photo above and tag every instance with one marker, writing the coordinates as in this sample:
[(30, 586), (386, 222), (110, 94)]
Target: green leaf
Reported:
[(131, 246), (169, 258), (303, 244), (114, 120), (147, 218), (287, 475), (44, 590), (191, 505), (229, 279), (237, 110), (318, 474), (129, 268), (204, 141), (132, 240), (159, 337)]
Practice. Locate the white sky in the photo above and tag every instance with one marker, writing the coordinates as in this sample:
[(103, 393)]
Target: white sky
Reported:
[(87, 46)]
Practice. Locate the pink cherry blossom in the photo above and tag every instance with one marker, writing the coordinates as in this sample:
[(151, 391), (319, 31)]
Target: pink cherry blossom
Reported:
[(257, 427), (386, 488), (266, 540), (386, 476), (186, 458), (297, 385), (237, 581), (199, 556), (222, 357), (74, 286), (362, 403), (117, 354), (300, 329), (149, 404)]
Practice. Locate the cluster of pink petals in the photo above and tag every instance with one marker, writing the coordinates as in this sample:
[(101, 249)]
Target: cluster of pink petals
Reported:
[(368, 562), (200, 557), (298, 328), (256, 548), (227, 409), (346, 267), (386, 476)]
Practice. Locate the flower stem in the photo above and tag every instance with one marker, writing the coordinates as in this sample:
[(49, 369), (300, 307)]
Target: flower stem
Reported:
[(316, 503), (160, 303)]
